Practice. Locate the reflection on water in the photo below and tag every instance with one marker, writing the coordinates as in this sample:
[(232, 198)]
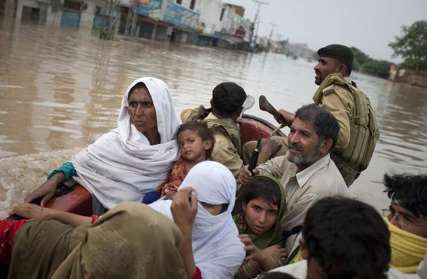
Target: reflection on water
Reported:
[(61, 89)]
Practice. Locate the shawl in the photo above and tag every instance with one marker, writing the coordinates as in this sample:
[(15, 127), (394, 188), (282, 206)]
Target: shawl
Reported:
[(129, 241), (122, 165), (175, 177), (274, 235), (407, 249), (217, 249)]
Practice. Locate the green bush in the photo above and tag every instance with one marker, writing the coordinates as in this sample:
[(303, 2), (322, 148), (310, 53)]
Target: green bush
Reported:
[(379, 68)]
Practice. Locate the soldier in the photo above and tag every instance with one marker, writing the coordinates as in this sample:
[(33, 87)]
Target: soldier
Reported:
[(351, 107), (228, 102)]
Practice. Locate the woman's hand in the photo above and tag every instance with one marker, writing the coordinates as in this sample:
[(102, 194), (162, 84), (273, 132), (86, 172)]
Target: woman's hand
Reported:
[(184, 209), (32, 211), (47, 188), (252, 252)]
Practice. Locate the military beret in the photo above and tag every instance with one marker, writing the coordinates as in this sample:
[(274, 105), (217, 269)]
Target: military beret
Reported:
[(339, 52), (228, 97)]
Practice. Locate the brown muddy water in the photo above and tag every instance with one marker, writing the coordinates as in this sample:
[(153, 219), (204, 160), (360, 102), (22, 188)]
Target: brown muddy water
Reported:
[(60, 89)]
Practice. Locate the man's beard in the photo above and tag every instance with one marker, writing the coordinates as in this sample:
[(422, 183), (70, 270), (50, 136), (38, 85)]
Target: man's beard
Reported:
[(303, 159)]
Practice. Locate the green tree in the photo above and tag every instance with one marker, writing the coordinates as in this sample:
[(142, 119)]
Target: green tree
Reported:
[(360, 58), (379, 68), (412, 46)]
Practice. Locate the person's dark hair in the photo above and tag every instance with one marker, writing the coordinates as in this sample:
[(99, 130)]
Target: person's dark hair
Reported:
[(275, 275), (259, 187), (137, 86), (408, 191), (348, 238), (324, 122), (202, 131), (227, 98), (339, 52)]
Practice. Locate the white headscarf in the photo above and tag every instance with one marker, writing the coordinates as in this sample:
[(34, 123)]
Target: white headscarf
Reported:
[(122, 165), (217, 249)]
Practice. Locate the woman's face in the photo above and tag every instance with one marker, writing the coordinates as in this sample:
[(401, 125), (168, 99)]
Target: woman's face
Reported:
[(141, 111), (260, 215)]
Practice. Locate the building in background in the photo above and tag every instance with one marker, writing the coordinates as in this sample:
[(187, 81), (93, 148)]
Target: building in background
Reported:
[(202, 22)]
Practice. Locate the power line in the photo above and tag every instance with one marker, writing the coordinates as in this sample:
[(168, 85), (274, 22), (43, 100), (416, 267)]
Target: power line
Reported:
[(256, 21)]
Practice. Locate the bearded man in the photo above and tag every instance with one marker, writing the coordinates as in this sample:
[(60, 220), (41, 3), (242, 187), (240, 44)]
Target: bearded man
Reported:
[(306, 171)]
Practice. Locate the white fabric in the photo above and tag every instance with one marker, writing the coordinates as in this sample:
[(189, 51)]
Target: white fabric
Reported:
[(217, 249), (122, 165)]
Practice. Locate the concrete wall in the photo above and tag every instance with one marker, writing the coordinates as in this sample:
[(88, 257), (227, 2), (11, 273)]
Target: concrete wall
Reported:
[(86, 19), (187, 3), (413, 77), (30, 4), (210, 11)]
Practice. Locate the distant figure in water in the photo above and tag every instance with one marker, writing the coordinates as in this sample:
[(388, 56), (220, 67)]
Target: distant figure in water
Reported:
[(129, 161)]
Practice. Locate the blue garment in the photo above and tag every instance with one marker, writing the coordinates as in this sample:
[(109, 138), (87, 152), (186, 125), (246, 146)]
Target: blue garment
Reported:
[(151, 197), (67, 169)]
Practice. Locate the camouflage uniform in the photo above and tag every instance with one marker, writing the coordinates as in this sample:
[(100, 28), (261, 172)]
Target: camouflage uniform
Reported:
[(358, 127)]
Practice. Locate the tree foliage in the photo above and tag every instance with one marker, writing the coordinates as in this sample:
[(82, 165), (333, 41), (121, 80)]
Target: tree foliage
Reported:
[(360, 58), (412, 45), (379, 68)]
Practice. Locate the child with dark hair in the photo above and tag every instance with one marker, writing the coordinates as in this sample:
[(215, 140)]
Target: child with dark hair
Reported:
[(195, 141), (407, 220), (258, 211), (343, 238)]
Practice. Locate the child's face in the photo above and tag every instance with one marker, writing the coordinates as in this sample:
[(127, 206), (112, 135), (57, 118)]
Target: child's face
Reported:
[(193, 147), (260, 215)]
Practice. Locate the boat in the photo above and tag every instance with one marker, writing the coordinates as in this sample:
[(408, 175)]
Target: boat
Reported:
[(79, 199)]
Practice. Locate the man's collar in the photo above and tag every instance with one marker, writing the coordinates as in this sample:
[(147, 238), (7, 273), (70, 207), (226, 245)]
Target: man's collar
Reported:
[(304, 175)]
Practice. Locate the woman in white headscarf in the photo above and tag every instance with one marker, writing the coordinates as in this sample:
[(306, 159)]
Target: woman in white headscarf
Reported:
[(209, 248), (202, 210), (132, 159)]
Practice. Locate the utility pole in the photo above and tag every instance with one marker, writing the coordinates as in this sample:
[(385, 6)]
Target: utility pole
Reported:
[(273, 25), (256, 22)]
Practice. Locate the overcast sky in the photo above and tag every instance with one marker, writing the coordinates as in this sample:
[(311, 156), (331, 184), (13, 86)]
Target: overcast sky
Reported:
[(367, 24)]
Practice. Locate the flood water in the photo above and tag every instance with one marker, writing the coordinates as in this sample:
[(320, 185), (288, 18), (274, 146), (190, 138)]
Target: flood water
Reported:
[(60, 89)]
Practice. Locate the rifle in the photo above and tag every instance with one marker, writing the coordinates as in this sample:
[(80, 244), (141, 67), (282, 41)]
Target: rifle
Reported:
[(254, 158), (265, 105)]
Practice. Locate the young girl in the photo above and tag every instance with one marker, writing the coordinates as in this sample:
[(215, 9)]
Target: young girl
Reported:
[(259, 209), (195, 141)]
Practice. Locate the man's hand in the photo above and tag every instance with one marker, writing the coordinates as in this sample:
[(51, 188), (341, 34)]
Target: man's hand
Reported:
[(32, 211), (245, 175), (287, 116), (184, 209)]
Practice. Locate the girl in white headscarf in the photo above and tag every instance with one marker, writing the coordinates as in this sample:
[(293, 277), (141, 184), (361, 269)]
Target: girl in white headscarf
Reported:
[(134, 158), (212, 237)]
